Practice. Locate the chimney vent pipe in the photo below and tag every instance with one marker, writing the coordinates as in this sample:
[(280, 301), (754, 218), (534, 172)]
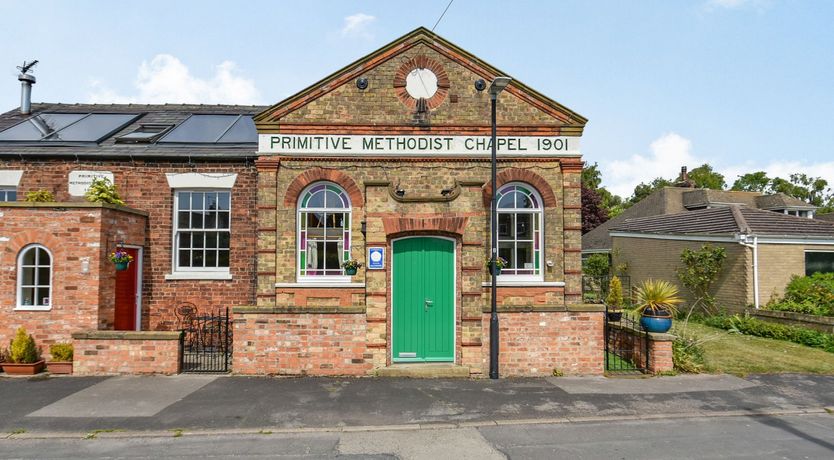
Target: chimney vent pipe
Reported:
[(26, 82)]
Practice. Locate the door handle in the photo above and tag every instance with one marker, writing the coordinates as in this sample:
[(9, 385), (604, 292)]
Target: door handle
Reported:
[(429, 303)]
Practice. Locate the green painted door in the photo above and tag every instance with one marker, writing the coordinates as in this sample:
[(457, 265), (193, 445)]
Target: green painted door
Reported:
[(424, 299)]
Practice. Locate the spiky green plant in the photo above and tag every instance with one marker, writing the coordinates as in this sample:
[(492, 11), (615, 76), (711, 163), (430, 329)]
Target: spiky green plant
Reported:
[(654, 296)]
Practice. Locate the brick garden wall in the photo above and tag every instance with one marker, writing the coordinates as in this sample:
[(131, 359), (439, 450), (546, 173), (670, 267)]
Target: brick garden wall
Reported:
[(143, 185), (73, 233), (117, 352)]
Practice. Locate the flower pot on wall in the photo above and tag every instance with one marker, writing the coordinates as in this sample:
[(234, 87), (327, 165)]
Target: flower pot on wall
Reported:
[(657, 322), (59, 367), (23, 368)]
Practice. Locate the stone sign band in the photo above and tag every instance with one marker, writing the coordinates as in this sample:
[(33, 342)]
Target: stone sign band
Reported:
[(416, 145), (80, 181)]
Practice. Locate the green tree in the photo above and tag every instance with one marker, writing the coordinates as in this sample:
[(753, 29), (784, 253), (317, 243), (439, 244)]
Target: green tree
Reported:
[(814, 190), (643, 190), (752, 182), (705, 177), (592, 180)]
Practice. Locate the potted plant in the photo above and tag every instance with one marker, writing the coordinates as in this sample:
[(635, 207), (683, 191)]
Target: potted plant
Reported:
[(350, 266), (614, 301), (61, 362), (500, 263), (121, 259), (656, 302), (24, 357)]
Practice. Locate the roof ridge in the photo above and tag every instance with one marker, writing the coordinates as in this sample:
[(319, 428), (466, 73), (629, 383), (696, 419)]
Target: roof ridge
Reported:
[(739, 218)]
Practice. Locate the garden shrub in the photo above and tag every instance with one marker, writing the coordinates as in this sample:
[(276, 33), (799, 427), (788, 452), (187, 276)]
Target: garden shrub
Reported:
[(103, 191), (751, 326), (61, 352), (39, 196), (23, 349), (615, 292), (688, 355)]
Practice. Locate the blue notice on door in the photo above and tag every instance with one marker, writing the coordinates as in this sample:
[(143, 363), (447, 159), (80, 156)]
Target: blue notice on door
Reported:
[(376, 258)]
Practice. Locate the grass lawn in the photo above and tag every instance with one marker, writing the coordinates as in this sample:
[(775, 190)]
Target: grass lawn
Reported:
[(744, 354)]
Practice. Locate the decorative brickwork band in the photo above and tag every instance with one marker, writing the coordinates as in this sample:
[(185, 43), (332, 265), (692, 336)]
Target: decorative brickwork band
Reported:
[(316, 174), (422, 62), (454, 225), (522, 175)]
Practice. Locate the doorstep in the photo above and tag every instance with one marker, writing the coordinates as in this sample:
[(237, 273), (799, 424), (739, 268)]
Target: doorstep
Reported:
[(424, 371)]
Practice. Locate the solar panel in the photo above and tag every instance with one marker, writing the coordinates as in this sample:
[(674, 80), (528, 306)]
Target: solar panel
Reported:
[(214, 129), (67, 127)]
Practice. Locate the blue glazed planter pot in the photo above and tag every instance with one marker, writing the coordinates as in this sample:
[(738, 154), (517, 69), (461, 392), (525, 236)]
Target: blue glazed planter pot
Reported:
[(121, 266), (657, 324)]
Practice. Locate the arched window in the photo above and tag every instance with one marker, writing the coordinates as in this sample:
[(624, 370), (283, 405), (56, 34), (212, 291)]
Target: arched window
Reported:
[(323, 230), (520, 230), (34, 278)]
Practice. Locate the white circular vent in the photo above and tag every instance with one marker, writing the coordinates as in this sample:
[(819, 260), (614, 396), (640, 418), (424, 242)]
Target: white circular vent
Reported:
[(421, 83)]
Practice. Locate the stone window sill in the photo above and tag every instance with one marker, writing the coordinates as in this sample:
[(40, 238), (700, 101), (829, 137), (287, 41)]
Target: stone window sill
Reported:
[(198, 276)]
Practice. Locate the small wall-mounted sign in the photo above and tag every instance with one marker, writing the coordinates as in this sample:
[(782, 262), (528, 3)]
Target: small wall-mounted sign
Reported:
[(80, 181), (376, 258)]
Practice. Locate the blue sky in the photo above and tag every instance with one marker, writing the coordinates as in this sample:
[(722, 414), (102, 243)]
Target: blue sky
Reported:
[(742, 84)]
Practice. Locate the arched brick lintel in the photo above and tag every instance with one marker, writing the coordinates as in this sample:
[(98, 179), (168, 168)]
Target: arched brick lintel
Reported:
[(447, 225), (522, 175), (29, 237), (319, 174)]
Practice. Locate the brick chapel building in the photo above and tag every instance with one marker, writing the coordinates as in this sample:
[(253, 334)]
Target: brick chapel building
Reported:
[(386, 161)]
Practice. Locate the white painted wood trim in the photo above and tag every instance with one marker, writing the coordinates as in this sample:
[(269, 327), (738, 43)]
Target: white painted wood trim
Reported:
[(201, 180), (325, 284), (525, 283), (199, 276), (10, 178)]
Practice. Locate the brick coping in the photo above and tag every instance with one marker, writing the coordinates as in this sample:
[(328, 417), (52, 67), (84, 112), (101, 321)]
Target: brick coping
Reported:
[(653, 336), (245, 310), (127, 335), (576, 308), (72, 205)]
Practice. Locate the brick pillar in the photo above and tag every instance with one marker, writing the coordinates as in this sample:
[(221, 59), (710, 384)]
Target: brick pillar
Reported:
[(267, 230), (572, 205), (660, 353)]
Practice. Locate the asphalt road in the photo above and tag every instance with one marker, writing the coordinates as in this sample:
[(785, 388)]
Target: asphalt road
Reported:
[(759, 437)]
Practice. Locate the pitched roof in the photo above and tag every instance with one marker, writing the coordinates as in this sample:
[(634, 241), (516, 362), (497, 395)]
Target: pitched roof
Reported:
[(150, 114), (419, 36), (728, 221), (707, 197), (781, 201)]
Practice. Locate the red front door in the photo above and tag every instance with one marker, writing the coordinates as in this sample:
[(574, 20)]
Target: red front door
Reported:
[(126, 294)]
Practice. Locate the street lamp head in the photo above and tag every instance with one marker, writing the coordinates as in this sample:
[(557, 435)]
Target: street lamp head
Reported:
[(498, 85)]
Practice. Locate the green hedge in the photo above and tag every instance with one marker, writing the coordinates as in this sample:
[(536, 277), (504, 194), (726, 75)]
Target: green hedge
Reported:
[(751, 326), (812, 295)]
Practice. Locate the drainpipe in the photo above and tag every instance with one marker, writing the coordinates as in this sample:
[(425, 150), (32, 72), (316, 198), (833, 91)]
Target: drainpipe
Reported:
[(755, 247)]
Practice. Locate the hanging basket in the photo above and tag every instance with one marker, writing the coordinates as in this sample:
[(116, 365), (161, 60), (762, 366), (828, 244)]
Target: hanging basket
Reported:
[(121, 266), (350, 271)]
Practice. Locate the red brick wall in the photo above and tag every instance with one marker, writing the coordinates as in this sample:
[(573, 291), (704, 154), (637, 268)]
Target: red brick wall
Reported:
[(300, 344), (660, 348), (126, 353), (79, 300), (143, 185), (536, 343)]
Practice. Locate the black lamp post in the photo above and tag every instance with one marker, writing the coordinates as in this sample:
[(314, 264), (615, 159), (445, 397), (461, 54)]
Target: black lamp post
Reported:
[(498, 85)]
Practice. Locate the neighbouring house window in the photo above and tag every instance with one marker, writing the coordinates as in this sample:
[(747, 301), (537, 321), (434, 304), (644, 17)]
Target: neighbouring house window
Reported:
[(34, 278), (323, 230), (520, 230), (202, 230), (819, 262), (8, 194)]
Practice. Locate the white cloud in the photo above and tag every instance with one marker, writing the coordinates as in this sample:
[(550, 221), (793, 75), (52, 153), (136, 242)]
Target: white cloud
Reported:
[(166, 79), (356, 25), (667, 154), (671, 151)]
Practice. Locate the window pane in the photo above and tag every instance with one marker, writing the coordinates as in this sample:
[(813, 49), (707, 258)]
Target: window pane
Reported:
[(333, 261), (316, 201), (505, 226), (197, 201), (223, 259), (523, 226), (819, 262), (196, 219), (28, 278), (223, 240), (197, 258), (27, 296), (211, 258), (211, 240), (197, 240), (524, 255), (29, 256), (43, 257), (182, 219), (211, 200), (315, 220), (11, 195), (507, 201), (185, 240), (242, 131), (185, 258), (223, 200), (222, 220), (43, 296), (505, 251), (43, 276), (211, 219), (184, 200)]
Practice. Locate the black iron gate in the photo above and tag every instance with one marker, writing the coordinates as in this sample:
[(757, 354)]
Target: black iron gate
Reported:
[(626, 344), (206, 342)]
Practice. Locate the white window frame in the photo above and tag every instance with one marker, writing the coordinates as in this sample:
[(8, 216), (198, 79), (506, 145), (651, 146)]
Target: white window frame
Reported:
[(538, 213), (19, 305), (321, 279), (4, 191), (197, 273)]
